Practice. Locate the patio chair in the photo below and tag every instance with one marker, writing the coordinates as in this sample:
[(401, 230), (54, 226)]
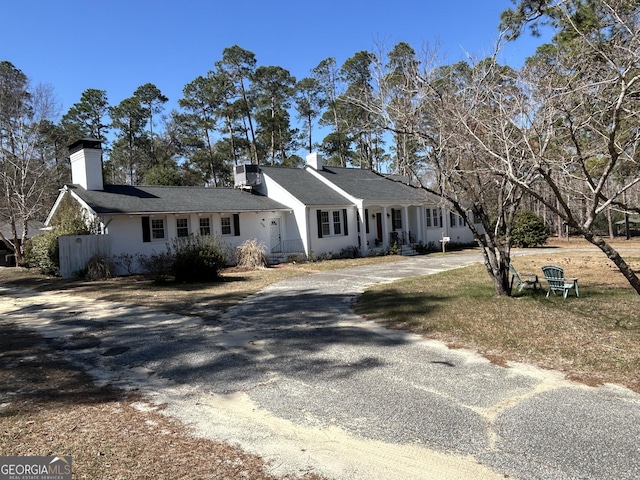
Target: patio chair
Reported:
[(557, 283), (530, 279)]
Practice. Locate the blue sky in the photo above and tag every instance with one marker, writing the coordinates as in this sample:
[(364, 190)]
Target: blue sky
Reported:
[(117, 45)]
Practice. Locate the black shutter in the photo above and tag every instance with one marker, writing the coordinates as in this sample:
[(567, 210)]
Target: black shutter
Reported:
[(146, 229), (344, 222), (236, 224), (366, 219), (319, 215)]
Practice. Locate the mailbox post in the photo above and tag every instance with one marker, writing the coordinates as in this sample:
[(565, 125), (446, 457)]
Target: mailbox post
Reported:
[(444, 240)]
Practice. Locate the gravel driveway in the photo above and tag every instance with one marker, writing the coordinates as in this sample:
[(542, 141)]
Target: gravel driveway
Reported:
[(293, 375)]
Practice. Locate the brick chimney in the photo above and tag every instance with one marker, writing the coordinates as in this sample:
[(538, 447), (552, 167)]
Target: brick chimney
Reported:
[(86, 163)]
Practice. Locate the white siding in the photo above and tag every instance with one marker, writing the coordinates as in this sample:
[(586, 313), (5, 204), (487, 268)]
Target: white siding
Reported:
[(126, 231)]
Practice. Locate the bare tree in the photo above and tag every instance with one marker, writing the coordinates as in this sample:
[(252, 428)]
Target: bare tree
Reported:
[(563, 129), (579, 125), (445, 105), (25, 172)]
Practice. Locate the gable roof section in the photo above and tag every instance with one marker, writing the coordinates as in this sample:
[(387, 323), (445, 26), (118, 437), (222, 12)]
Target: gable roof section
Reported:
[(128, 199), (368, 185), (305, 187)]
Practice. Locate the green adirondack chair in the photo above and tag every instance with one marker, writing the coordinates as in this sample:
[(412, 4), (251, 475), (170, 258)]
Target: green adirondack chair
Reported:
[(554, 275), (523, 280)]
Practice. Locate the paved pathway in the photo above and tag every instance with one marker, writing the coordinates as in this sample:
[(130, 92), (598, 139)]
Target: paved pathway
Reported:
[(293, 375)]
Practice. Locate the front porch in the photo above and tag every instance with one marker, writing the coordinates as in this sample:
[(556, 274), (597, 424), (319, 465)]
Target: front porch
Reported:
[(385, 227)]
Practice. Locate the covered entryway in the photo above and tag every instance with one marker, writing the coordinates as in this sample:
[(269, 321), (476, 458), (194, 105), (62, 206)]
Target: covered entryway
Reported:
[(275, 238)]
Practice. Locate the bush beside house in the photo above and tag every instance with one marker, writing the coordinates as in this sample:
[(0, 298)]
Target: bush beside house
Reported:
[(42, 251)]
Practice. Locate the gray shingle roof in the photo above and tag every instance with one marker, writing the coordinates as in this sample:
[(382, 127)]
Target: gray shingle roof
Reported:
[(128, 199), (368, 185), (33, 227), (305, 187)]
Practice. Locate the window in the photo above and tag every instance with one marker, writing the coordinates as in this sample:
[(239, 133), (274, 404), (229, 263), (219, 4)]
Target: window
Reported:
[(332, 223), (229, 227), (452, 219), (152, 229), (396, 218), (434, 217), (225, 223), (182, 227), (326, 227), (205, 226), (157, 228), (336, 223)]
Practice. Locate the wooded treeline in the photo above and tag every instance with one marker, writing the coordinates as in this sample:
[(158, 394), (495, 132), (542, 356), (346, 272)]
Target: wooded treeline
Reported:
[(238, 112), (559, 136)]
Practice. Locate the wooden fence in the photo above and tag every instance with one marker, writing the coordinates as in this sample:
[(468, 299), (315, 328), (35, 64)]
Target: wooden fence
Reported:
[(76, 250)]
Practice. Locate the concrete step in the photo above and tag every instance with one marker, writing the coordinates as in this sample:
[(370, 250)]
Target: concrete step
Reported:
[(407, 251)]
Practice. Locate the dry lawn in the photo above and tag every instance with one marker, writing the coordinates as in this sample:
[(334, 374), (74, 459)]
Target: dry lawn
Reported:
[(203, 300), (593, 339)]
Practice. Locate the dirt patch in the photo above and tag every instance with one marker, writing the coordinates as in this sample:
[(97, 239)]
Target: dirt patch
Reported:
[(50, 407)]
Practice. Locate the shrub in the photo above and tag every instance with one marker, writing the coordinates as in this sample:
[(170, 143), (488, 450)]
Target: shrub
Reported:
[(158, 265), (296, 258), (529, 230), (127, 262), (252, 255), (350, 252), (198, 258), (99, 267), (42, 250), (424, 249)]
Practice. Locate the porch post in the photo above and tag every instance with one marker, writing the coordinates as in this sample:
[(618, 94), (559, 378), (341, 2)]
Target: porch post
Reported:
[(363, 230), (405, 222), (422, 219), (385, 229)]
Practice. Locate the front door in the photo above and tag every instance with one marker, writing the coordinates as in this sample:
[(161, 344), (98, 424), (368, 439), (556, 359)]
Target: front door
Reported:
[(274, 235), (379, 225)]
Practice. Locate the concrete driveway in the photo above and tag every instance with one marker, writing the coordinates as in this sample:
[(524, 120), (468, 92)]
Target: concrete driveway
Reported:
[(293, 375)]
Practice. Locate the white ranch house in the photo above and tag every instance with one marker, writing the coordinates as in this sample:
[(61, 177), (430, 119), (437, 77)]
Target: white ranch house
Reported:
[(307, 211)]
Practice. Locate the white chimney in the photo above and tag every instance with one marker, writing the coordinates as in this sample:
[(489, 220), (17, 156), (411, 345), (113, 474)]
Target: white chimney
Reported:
[(314, 160), (86, 163)]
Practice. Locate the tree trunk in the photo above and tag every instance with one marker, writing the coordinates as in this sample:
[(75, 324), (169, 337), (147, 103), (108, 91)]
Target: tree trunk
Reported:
[(497, 265), (610, 223), (615, 257)]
